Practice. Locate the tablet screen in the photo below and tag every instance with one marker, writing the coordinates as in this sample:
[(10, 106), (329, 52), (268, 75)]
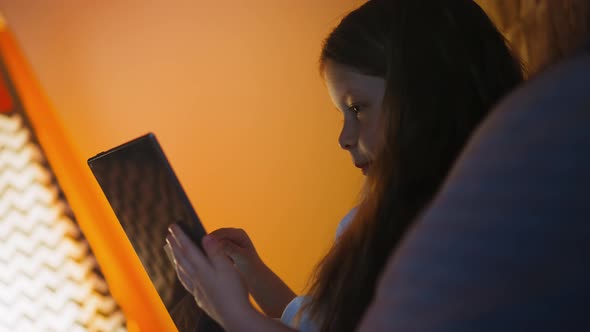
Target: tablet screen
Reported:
[(147, 197)]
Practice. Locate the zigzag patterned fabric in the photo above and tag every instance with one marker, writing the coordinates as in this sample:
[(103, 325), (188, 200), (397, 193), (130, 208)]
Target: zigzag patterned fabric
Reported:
[(49, 279)]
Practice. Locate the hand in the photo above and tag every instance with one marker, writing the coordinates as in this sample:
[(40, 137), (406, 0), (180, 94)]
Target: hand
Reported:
[(211, 278), (269, 291), (237, 245)]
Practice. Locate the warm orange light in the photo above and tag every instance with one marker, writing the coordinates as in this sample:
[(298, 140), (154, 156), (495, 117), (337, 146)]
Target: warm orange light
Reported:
[(231, 88), (128, 283)]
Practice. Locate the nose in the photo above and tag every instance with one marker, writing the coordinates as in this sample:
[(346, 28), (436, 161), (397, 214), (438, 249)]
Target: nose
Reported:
[(348, 136)]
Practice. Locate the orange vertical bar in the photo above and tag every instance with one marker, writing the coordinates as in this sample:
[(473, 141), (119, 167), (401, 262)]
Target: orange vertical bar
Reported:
[(127, 280), (6, 103)]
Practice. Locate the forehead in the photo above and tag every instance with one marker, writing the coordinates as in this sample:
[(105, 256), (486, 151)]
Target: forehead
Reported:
[(344, 81)]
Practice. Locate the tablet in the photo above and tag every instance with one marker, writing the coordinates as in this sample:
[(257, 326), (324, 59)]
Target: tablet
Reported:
[(146, 196)]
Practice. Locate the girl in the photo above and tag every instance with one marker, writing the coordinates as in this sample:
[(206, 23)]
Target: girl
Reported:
[(413, 78)]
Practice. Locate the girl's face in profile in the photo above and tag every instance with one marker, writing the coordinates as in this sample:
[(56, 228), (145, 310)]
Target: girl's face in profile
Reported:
[(360, 98)]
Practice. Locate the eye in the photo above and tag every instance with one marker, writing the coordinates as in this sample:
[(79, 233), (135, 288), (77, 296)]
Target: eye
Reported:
[(354, 109)]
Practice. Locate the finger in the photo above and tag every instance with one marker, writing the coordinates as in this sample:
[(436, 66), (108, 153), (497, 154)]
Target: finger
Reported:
[(181, 260), (186, 281), (225, 245), (236, 253), (188, 248), (198, 294), (197, 298), (236, 235), (168, 251), (215, 252)]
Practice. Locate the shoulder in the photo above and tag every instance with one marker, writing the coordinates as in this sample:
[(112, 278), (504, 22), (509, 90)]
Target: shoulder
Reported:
[(288, 317), (345, 222), (291, 310)]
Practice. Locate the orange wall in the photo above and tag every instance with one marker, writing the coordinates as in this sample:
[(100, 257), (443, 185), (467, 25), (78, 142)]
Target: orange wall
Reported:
[(230, 88)]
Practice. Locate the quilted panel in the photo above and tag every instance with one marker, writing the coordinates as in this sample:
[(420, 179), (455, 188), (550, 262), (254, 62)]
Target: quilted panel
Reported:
[(49, 279)]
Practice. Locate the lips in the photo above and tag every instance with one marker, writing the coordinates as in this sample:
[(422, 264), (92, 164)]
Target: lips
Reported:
[(363, 166)]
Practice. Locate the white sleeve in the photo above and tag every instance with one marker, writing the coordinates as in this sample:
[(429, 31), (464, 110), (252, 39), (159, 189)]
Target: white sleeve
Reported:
[(345, 222)]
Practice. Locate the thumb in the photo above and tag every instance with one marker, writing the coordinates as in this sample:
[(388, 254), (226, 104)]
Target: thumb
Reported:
[(214, 251)]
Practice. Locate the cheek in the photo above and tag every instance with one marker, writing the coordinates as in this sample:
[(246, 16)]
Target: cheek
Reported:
[(369, 137), (371, 131)]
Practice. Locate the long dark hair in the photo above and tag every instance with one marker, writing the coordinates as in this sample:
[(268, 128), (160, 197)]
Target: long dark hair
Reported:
[(445, 66)]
